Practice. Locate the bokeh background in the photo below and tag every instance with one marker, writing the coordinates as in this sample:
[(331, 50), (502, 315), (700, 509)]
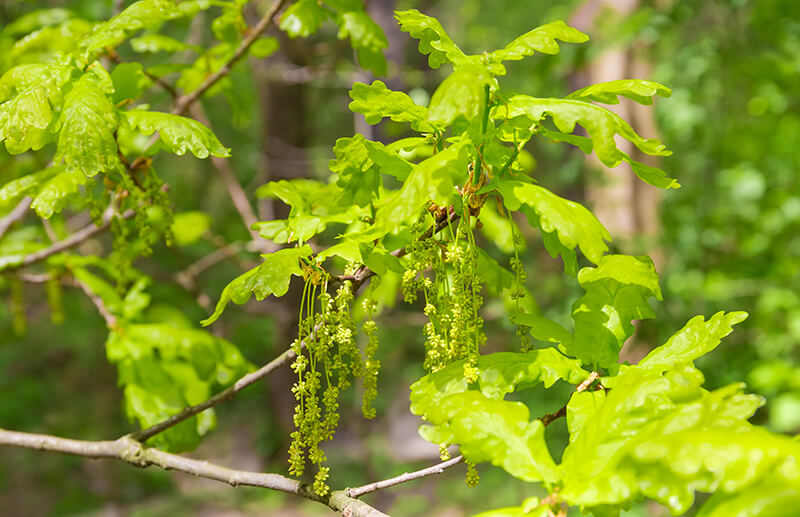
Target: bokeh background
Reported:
[(729, 239)]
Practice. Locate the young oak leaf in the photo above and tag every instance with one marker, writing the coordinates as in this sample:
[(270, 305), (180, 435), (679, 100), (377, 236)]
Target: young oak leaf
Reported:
[(500, 373), (617, 291), (179, 134), (639, 90), (433, 40), (601, 124), (541, 39), (270, 277), (87, 124), (565, 224), (375, 101), (492, 430)]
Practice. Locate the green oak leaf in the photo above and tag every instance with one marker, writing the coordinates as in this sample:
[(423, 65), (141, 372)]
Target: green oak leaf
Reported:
[(179, 134), (601, 124), (366, 38), (500, 373), (565, 224), (492, 430), (375, 101), (541, 39), (433, 40), (303, 18), (617, 291), (271, 277), (87, 125), (639, 90)]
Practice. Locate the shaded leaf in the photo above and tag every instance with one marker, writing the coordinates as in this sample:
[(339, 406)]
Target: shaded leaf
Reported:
[(303, 18), (270, 277), (366, 37)]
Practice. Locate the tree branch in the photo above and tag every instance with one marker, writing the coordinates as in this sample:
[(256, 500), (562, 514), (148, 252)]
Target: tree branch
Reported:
[(131, 451), (73, 240), (268, 19), (562, 412), (15, 215), (111, 320), (403, 478)]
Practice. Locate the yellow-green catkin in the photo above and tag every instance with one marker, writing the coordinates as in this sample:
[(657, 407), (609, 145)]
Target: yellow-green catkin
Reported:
[(54, 299), (472, 474), (19, 320)]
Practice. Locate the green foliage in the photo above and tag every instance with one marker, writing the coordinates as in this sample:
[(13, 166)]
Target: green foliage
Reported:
[(270, 277), (406, 215), (179, 134)]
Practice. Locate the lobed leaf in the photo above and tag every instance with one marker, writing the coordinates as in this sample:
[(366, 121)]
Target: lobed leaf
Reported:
[(617, 291), (647, 173), (54, 194), (139, 15), (565, 224), (87, 124), (601, 124), (375, 101), (271, 277), (492, 430), (30, 92), (639, 90), (13, 191), (179, 134), (696, 338), (541, 39), (461, 93), (612, 435), (432, 179), (500, 373), (433, 40)]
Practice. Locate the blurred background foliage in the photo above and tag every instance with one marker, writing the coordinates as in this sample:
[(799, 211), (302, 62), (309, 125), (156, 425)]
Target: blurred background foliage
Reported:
[(729, 239)]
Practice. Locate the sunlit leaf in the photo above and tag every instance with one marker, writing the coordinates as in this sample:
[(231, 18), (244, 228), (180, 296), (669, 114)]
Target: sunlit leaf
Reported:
[(179, 134)]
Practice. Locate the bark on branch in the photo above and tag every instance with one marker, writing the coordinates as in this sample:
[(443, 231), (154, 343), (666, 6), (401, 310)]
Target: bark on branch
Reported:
[(131, 451)]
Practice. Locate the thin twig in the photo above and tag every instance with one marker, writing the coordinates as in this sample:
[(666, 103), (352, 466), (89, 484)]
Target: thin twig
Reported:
[(404, 478), (183, 102), (133, 452), (73, 240), (562, 412), (111, 320), (15, 215)]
